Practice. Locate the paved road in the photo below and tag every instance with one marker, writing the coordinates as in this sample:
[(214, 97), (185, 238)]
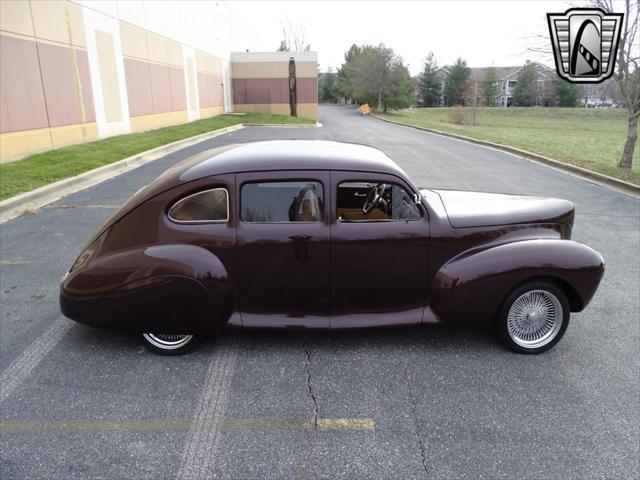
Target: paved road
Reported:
[(82, 403)]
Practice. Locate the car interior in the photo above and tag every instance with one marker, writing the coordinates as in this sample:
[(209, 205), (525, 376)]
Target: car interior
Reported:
[(371, 201)]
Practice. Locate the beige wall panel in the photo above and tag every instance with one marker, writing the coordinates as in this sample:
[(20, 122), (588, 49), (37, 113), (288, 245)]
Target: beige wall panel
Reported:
[(305, 110), (71, 134), (211, 111), (157, 48), (64, 99), (58, 21), (169, 118), (18, 144), (138, 78), (204, 61), (178, 94), (143, 123), (208, 63), (308, 110), (191, 85), (134, 41), (23, 105), (272, 70), (15, 17), (174, 53), (160, 88), (108, 76)]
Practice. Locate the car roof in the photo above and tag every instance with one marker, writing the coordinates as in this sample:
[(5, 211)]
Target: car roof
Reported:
[(289, 155), (275, 155)]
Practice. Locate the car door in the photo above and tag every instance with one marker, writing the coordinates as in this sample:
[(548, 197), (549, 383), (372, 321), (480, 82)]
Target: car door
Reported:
[(283, 249), (379, 260)]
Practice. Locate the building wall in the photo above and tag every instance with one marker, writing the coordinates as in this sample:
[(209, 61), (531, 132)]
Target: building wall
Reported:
[(75, 71), (261, 83)]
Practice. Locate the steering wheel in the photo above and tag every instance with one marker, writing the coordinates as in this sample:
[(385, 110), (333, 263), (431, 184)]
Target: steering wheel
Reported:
[(373, 198)]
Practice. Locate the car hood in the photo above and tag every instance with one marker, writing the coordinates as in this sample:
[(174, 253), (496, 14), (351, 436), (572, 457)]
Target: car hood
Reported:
[(479, 209)]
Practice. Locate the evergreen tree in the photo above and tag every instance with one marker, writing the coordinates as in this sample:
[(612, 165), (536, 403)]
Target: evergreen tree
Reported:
[(490, 87), (525, 93), (429, 83), (457, 83), (567, 94)]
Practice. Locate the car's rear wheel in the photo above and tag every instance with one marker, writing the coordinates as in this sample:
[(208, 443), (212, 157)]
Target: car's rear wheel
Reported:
[(168, 343), (534, 317)]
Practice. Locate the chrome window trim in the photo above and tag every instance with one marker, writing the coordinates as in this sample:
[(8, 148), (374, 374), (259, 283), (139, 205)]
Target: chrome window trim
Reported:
[(183, 222)]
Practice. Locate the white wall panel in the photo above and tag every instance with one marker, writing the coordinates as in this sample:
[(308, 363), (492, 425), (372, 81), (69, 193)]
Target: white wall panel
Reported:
[(132, 11)]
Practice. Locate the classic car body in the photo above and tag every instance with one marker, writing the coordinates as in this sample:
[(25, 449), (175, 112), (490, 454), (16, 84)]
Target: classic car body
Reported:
[(276, 235)]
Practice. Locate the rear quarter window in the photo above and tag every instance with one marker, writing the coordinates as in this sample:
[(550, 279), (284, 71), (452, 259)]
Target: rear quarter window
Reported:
[(206, 206)]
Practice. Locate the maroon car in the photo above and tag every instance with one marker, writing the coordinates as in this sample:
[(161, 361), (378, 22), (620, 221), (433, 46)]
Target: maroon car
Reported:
[(326, 235)]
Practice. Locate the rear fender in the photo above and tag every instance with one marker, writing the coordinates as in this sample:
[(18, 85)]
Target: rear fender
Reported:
[(158, 286), (471, 287)]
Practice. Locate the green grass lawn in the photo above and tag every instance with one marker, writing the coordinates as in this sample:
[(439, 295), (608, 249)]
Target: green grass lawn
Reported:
[(43, 168), (590, 138)]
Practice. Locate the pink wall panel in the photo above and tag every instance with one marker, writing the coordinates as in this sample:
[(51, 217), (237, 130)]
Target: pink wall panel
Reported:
[(217, 95), (60, 89), (204, 93), (273, 90), (22, 106), (138, 78), (160, 88), (178, 95)]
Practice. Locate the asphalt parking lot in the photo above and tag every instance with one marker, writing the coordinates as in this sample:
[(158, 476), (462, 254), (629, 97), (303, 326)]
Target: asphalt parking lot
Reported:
[(83, 403)]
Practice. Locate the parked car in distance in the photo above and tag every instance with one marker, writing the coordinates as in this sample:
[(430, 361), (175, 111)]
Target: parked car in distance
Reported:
[(326, 235)]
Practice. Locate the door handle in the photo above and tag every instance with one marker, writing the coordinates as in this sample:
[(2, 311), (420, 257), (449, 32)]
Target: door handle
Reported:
[(300, 237)]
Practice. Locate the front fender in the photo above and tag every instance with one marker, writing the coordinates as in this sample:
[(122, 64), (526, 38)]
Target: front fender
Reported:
[(471, 287), (166, 287)]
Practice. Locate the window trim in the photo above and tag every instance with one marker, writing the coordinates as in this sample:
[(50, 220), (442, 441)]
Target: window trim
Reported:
[(187, 222), (284, 180), (421, 209)]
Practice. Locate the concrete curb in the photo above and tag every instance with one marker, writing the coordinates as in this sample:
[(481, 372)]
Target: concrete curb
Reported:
[(17, 205), (284, 125), (626, 187)]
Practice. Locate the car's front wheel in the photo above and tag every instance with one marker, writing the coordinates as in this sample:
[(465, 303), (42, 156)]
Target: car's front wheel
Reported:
[(168, 343), (534, 317)]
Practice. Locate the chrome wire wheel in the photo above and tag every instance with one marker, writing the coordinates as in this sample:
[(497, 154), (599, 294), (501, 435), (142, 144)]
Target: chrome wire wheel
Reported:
[(167, 341), (534, 319)]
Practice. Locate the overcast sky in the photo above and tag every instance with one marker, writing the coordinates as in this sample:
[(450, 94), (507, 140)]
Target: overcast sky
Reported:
[(481, 32)]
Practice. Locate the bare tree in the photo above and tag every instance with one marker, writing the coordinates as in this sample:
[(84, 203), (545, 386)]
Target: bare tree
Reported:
[(293, 37), (627, 72)]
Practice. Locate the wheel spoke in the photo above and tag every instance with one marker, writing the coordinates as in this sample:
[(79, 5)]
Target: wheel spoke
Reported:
[(534, 319)]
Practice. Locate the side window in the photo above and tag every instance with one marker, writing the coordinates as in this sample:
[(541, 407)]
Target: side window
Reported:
[(282, 202), (370, 201), (202, 207)]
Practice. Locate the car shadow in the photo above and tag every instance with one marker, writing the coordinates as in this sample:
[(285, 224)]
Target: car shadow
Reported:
[(433, 339)]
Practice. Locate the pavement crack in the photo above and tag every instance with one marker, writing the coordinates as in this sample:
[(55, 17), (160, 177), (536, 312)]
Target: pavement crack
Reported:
[(307, 372), (416, 430)]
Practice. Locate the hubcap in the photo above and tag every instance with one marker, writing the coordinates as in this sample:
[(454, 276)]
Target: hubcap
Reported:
[(534, 319), (167, 341)]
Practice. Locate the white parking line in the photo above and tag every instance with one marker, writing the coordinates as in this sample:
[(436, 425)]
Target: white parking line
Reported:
[(200, 450), (21, 367)]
